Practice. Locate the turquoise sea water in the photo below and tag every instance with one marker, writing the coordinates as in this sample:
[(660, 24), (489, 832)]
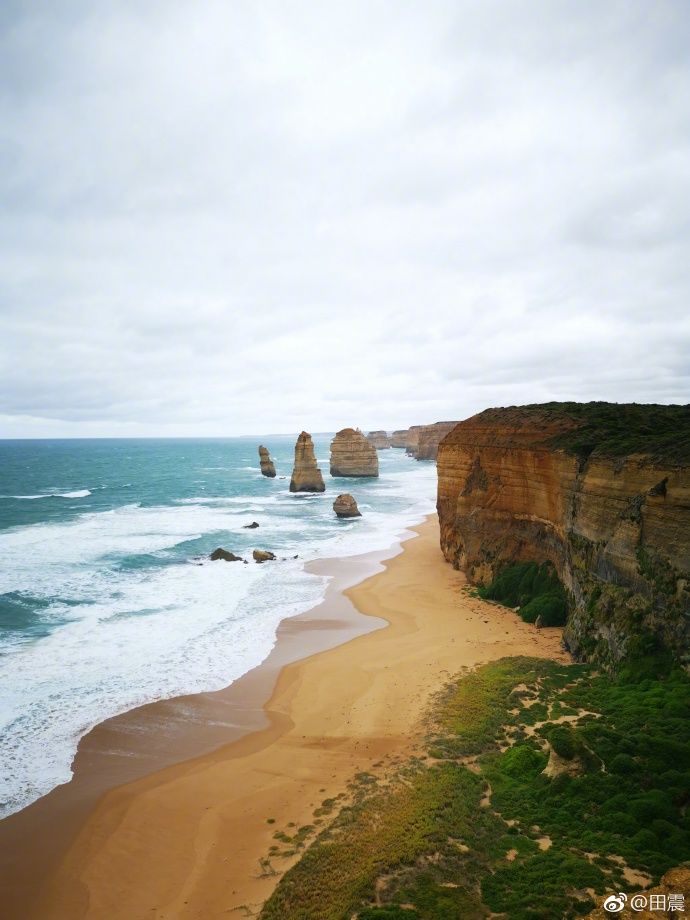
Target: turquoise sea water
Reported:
[(108, 600)]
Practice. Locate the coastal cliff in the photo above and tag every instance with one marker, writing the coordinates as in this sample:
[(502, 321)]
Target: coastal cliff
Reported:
[(599, 492), (379, 439), (412, 440), (353, 455), (429, 437)]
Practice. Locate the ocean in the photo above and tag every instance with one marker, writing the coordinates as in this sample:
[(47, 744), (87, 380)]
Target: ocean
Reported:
[(108, 599)]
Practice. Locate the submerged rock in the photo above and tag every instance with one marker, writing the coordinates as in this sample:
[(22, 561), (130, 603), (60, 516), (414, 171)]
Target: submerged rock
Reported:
[(225, 555), (346, 507), (251, 526), (263, 555), (353, 455), (267, 466), (306, 476)]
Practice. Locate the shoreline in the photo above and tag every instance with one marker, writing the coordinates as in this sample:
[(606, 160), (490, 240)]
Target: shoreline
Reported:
[(149, 738), (185, 841)]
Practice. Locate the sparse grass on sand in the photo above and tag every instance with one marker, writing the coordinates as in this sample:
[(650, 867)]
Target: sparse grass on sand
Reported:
[(477, 826)]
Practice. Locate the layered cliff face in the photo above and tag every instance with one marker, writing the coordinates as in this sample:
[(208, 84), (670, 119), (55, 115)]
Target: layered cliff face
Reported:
[(399, 437), (546, 484), (412, 440), (379, 439), (429, 437), (267, 465), (306, 476), (353, 455)]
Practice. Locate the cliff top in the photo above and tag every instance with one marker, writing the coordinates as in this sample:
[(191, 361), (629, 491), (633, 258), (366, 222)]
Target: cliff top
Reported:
[(596, 428)]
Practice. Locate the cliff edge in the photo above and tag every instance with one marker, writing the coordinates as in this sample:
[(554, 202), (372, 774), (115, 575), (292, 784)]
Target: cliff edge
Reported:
[(602, 493)]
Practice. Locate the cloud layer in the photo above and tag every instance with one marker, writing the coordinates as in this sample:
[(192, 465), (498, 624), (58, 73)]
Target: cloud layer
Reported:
[(242, 218)]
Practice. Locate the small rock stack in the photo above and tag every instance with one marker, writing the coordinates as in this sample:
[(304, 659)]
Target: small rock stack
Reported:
[(267, 466), (346, 507), (306, 476)]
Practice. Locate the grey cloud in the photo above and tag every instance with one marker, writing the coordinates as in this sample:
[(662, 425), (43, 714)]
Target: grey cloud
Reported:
[(226, 218)]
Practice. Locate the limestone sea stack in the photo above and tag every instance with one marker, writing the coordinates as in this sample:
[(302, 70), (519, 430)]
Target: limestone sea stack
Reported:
[(353, 455), (346, 507), (379, 439), (267, 466), (399, 438), (306, 476)]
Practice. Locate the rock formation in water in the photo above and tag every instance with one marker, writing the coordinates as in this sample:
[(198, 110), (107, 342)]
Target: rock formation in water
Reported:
[(353, 455), (252, 526), (306, 476), (225, 555), (346, 507), (379, 439), (267, 467), (399, 438), (263, 555), (428, 439), (600, 491)]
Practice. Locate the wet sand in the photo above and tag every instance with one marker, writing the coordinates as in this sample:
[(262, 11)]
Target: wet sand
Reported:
[(185, 841)]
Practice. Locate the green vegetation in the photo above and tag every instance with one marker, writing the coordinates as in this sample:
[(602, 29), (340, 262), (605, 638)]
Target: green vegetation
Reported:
[(478, 826), (534, 588), (614, 430)]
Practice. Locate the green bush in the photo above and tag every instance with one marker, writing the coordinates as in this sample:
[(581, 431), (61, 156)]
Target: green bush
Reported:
[(523, 760), (562, 740), (534, 588)]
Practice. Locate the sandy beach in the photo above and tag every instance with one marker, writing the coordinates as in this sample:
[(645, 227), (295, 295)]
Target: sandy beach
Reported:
[(186, 841)]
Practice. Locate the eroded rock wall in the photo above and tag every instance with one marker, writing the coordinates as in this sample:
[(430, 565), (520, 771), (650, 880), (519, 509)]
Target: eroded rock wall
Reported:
[(379, 439), (617, 529), (429, 437)]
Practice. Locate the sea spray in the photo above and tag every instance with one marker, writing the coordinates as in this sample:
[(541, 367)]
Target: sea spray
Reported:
[(114, 604)]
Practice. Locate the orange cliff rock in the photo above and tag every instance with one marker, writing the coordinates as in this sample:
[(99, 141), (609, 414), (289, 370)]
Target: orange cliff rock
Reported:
[(429, 437), (615, 527), (353, 455), (306, 476)]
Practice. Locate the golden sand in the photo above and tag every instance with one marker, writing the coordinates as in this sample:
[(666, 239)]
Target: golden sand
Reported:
[(186, 841)]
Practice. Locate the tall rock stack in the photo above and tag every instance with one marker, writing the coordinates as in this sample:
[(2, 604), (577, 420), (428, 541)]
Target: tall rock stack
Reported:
[(399, 438), (353, 455), (267, 466), (379, 439), (306, 476)]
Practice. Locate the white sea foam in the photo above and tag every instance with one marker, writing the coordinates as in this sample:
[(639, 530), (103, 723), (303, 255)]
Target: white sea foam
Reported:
[(134, 635), (79, 493)]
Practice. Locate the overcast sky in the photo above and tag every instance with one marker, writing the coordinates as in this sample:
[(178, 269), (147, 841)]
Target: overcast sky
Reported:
[(221, 218)]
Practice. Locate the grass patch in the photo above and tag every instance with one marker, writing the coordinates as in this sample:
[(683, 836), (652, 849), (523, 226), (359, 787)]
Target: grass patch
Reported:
[(434, 843), (614, 430)]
